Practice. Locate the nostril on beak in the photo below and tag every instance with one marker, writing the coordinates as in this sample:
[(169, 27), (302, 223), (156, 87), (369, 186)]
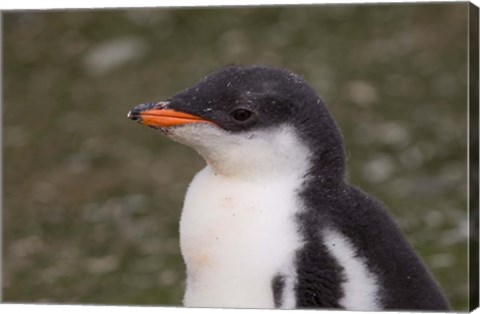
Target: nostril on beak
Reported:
[(161, 105)]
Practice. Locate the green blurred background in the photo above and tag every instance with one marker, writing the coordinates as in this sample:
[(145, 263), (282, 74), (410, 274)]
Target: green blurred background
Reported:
[(92, 200)]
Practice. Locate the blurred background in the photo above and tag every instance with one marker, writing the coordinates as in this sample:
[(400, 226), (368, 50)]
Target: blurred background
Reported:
[(91, 200)]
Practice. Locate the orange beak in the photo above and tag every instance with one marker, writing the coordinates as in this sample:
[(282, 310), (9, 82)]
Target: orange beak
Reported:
[(162, 118)]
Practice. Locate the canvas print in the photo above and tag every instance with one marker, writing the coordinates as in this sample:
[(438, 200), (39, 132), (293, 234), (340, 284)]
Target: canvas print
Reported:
[(302, 156)]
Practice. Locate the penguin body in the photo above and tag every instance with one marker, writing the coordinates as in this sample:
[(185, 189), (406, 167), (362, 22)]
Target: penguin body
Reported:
[(270, 221)]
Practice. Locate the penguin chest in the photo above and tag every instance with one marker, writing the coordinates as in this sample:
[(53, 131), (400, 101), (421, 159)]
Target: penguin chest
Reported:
[(235, 237)]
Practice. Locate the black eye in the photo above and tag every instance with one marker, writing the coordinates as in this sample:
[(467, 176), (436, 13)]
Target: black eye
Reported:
[(241, 114)]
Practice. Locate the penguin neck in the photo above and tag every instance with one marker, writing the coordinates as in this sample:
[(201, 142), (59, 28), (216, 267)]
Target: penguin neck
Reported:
[(263, 155)]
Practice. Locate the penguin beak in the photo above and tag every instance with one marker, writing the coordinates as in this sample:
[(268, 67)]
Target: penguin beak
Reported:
[(158, 116)]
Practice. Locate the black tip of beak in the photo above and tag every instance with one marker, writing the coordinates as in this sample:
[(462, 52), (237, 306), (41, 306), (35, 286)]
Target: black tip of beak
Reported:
[(134, 114)]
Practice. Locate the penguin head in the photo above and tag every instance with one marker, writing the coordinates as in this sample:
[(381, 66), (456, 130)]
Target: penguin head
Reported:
[(247, 119)]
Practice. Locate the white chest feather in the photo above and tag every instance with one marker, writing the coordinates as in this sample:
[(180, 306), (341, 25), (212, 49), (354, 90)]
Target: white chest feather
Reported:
[(236, 235)]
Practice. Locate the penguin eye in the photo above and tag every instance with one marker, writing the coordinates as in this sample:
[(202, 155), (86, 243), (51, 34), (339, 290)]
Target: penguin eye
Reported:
[(241, 114)]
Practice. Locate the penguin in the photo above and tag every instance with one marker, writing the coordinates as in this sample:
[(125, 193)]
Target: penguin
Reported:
[(271, 222)]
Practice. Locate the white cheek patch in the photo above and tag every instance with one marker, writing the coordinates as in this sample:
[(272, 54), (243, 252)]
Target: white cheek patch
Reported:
[(266, 153), (196, 134), (360, 287)]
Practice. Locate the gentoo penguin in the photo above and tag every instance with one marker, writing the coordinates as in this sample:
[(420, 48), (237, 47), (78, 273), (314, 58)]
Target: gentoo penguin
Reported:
[(270, 221)]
